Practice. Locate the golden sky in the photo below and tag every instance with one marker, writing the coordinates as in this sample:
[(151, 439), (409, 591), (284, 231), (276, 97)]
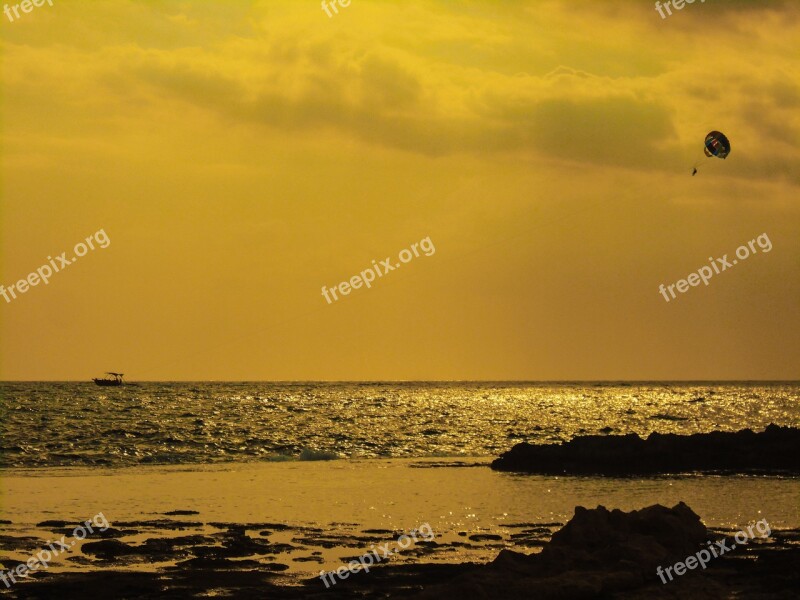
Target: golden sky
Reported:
[(241, 155)]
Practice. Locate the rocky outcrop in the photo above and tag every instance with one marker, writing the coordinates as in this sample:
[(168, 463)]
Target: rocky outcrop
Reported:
[(775, 450), (598, 554)]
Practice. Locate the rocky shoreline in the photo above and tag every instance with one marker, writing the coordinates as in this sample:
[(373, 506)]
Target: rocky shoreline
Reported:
[(598, 553), (776, 450), (613, 554)]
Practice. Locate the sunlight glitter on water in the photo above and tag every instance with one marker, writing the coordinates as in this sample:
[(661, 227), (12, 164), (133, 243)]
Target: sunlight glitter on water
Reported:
[(72, 424)]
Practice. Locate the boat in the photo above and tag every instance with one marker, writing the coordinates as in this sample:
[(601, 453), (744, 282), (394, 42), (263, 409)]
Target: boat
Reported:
[(114, 380)]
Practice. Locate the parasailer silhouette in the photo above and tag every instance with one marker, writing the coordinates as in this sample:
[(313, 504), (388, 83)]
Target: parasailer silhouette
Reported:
[(716, 145)]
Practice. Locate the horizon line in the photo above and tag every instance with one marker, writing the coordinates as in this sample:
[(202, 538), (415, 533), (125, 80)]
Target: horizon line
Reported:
[(332, 381)]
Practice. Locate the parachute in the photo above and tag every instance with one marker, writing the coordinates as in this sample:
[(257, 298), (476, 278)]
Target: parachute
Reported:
[(717, 145)]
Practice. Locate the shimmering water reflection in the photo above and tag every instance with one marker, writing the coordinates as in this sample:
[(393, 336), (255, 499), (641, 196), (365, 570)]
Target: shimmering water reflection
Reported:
[(66, 424)]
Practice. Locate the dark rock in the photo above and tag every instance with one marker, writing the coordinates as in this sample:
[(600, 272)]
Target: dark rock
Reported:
[(109, 549), (315, 559), (485, 537), (212, 563), (160, 524), (180, 513), (775, 450), (236, 543), (80, 560), (51, 524), (19, 544), (380, 531), (111, 532), (190, 540), (274, 526), (647, 537), (599, 553)]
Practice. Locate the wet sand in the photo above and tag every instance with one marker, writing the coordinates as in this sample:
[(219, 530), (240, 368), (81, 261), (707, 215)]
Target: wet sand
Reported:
[(267, 529), (250, 561)]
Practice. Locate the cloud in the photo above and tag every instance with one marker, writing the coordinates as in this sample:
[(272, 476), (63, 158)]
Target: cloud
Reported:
[(629, 98)]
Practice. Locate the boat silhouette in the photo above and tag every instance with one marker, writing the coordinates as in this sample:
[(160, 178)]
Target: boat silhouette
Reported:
[(114, 380)]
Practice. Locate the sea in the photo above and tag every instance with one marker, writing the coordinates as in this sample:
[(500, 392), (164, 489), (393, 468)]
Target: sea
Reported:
[(80, 424), (346, 459)]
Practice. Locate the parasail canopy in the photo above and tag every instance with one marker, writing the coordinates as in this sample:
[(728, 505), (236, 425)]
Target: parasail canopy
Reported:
[(717, 144)]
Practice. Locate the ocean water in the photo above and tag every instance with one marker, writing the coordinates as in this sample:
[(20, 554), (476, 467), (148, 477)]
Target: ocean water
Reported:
[(82, 425), (347, 459)]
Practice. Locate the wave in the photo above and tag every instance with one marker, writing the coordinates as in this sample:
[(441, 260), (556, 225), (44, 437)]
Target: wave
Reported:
[(307, 454)]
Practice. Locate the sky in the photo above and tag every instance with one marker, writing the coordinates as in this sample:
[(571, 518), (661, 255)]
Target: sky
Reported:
[(239, 156)]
